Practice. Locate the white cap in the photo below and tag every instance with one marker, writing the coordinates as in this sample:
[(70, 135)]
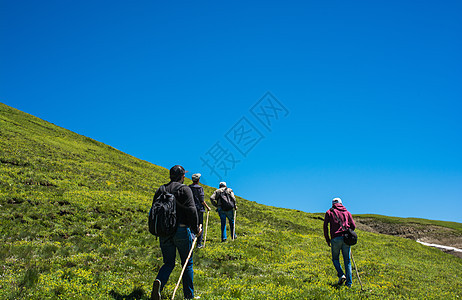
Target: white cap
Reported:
[(196, 177), (222, 184), (336, 200)]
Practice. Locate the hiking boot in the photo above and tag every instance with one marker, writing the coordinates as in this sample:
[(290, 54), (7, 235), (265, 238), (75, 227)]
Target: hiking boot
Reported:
[(200, 246), (155, 294), (341, 280)]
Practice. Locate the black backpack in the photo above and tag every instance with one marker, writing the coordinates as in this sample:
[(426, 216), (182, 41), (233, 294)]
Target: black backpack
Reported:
[(227, 202), (162, 216), (349, 236)]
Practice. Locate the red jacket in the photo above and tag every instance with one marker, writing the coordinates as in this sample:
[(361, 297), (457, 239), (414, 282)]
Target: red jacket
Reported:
[(335, 229)]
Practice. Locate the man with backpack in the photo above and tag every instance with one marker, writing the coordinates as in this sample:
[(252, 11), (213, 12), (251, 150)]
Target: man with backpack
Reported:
[(198, 193), (223, 198), (181, 239), (339, 219)]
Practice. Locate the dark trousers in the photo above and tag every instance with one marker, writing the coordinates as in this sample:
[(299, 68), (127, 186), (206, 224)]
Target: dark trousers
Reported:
[(182, 242)]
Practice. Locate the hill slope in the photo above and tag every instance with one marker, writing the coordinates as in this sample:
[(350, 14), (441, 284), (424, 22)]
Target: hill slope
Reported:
[(434, 232), (74, 226)]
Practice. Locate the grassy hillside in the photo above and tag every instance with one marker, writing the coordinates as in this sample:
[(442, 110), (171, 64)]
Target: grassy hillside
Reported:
[(74, 226)]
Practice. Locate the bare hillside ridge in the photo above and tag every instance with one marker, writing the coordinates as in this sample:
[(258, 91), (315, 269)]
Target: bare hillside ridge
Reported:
[(433, 234)]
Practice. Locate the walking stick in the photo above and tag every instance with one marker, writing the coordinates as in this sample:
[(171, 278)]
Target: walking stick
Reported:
[(184, 267), (206, 223), (357, 274), (234, 227)]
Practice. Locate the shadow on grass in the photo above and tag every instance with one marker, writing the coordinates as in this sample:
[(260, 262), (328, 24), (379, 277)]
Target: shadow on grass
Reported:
[(336, 285), (137, 294)]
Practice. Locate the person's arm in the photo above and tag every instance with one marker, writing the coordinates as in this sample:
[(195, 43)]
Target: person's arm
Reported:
[(206, 206), (212, 198), (326, 228), (202, 199), (190, 209), (351, 221)]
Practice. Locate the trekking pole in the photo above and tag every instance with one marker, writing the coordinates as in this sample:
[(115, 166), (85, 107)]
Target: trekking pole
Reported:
[(234, 227), (206, 224), (357, 274), (184, 267)]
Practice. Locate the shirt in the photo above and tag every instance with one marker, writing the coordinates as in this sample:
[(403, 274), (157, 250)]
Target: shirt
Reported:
[(335, 228), (216, 194), (186, 212), (198, 193)]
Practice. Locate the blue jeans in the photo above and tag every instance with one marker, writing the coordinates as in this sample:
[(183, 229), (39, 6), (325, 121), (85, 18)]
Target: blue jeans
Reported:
[(182, 241), (337, 244), (223, 215)]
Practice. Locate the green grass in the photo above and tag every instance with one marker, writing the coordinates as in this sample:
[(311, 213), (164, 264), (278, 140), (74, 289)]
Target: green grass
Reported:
[(74, 226)]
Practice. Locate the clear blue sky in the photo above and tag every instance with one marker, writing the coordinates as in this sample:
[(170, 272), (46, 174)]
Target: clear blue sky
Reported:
[(371, 92)]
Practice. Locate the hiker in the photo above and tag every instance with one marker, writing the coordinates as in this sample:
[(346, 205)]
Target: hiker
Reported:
[(223, 198), (182, 240), (336, 241), (198, 193)]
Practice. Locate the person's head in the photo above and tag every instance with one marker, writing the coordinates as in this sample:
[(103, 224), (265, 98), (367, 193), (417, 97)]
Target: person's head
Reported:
[(222, 184), (177, 173), (196, 177), (336, 200)]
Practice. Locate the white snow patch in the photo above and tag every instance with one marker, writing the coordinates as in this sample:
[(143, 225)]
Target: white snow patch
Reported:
[(440, 246)]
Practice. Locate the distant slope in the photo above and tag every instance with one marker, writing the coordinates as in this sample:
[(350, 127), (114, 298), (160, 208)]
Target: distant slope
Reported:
[(456, 227), (74, 226), (429, 231)]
